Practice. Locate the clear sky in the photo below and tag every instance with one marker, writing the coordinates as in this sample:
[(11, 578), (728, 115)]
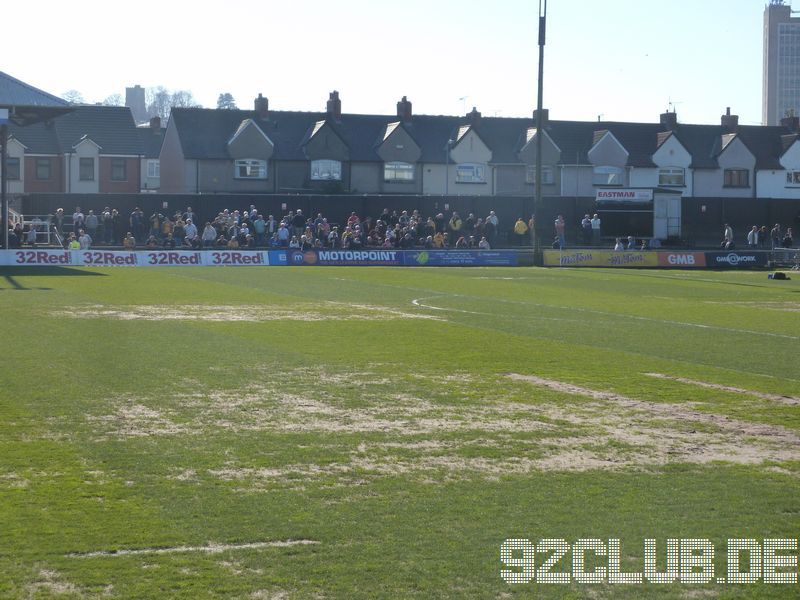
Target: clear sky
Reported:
[(622, 59)]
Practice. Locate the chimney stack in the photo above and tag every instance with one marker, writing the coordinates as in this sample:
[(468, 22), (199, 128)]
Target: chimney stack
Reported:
[(334, 106), (155, 124), (404, 110), (544, 118), (474, 117), (729, 122), (791, 122), (261, 106), (669, 120)]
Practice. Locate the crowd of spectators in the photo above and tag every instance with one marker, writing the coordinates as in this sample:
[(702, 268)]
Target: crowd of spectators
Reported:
[(250, 228)]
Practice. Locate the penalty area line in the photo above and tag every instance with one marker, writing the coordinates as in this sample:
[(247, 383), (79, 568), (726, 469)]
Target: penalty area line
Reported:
[(208, 549)]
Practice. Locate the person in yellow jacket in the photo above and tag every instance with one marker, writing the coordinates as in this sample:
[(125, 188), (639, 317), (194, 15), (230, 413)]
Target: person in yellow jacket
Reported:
[(520, 231)]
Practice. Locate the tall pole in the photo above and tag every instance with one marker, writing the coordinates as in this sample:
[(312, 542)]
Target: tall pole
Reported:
[(3, 180), (537, 201)]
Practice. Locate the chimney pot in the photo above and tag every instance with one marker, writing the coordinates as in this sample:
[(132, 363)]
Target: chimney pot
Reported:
[(404, 110), (729, 122), (669, 120), (155, 124), (261, 106), (334, 106), (545, 117)]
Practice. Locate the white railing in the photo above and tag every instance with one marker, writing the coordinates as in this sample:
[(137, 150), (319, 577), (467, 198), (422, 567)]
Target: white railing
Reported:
[(786, 257)]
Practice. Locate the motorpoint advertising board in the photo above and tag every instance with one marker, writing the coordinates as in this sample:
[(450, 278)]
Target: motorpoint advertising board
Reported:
[(409, 258)]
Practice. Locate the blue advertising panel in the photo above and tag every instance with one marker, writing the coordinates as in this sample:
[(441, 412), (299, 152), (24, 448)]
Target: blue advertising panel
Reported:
[(460, 258), (344, 257), (736, 260)]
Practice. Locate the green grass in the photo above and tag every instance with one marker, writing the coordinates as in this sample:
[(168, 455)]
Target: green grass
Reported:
[(370, 411)]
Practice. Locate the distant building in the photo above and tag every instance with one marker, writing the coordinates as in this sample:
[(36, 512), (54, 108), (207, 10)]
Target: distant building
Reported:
[(781, 77), (134, 99)]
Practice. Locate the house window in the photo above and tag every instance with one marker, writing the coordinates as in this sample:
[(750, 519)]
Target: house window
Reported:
[(86, 169), (792, 178), (738, 178), (119, 169), (607, 176), (671, 177), (154, 168), (251, 168), (12, 168), (547, 175), (468, 173), (398, 171), (43, 169), (326, 170)]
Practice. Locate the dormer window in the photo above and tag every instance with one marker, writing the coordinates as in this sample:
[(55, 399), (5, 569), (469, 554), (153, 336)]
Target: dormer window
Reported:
[(671, 176), (326, 170), (399, 172), (470, 173), (607, 176), (251, 168)]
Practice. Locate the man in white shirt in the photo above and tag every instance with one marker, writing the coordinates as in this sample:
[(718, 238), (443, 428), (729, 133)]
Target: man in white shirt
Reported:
[(596, 230)]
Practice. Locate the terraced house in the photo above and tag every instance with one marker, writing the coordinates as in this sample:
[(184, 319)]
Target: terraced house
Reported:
[(263, 151), (92, 149)]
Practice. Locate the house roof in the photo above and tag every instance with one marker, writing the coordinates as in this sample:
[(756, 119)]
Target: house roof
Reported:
[(203, 134), (151, 140), (110, 127)]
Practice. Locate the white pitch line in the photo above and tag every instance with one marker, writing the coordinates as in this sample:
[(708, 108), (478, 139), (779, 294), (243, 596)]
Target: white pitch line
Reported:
[(791, 400), (209, 549)]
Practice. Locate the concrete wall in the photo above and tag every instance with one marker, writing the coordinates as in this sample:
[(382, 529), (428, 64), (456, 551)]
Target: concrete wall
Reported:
[(174, 164)]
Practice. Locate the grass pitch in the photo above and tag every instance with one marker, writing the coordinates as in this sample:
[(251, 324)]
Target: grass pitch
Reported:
[(378, 433)]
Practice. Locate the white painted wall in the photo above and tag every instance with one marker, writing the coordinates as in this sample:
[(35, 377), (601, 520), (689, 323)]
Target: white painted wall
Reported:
[(16, 150), (86, 149)]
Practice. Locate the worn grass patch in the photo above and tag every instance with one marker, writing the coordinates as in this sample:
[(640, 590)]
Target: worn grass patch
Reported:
[(378, 433)]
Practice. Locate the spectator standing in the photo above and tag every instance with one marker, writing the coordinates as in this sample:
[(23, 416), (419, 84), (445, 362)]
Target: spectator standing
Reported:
[(108, 226), (84, 240), (560, 228), (787, 241), (586, 228), (491, 228), (596, 230), (520, 231), (752, 237), (728, 232), (77, 220), (92, 222), (776, 236)]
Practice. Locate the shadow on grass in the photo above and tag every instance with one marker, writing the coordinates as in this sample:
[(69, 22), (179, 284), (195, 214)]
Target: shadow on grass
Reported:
[(8, 275)]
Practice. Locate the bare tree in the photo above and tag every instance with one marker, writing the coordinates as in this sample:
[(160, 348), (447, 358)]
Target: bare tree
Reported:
[(226, 101), (73, 97), (160, 101), (114, 100)]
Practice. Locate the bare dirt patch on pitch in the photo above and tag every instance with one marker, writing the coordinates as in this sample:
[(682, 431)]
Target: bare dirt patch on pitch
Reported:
[(790, 400), (253, 313)]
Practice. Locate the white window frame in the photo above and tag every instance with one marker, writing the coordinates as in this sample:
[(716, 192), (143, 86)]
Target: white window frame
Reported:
[(398, 172), (548, 174), (153, 168), (672, 177), (326, 170), (250, 168), (470, 173), (608, 175)]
